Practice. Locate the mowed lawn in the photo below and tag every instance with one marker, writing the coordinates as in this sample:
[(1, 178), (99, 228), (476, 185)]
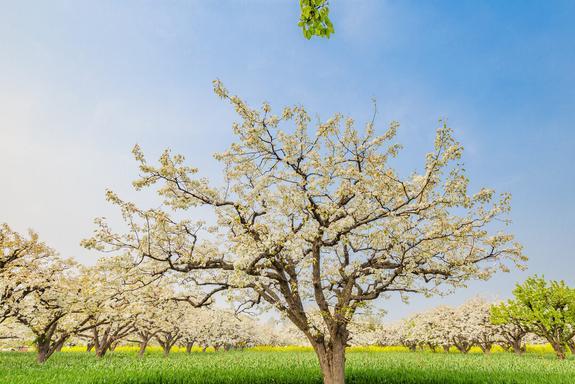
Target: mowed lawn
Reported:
[(284, 367)]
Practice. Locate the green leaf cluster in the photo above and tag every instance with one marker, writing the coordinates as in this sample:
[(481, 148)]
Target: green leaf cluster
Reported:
[(546, 308), (314, 18)]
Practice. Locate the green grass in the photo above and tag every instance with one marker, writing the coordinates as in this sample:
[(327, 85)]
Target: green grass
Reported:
[(284, 367)]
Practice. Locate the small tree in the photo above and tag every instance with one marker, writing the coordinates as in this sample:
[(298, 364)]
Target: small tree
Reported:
[(510, 331), (390, 335), (474, 318), (317, 222), (365, 331), (21, 257), (169, 323), (432, 328), (191, 327), (110, 300), (53, 314), (146, 323), (546, 308)]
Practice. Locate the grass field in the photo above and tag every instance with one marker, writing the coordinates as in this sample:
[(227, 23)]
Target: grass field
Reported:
[(258, 366)]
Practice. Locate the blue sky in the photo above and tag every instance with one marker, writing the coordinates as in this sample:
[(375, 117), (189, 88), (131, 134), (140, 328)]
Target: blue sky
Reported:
[(82, 81)]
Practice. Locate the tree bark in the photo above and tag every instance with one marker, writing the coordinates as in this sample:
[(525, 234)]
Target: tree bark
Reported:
[(571, 345), (167, 342), (189, 346), (143, 346), (486, 348), (517, 347), (102, 348), (446, 348), (43, 351), (46, 348), (559, 350), (101, 352), (332, 361), (462, 346), (89, 347)]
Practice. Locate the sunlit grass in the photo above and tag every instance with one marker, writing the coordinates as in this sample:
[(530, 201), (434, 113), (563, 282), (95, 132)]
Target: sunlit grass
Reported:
[(295, 365)]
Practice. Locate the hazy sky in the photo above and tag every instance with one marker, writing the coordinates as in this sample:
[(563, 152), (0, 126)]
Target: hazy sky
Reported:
[(82, 81)]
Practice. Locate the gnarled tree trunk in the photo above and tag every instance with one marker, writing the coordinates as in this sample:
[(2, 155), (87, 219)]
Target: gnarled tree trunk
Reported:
[(46, 347), (43, 351), (331, 356)]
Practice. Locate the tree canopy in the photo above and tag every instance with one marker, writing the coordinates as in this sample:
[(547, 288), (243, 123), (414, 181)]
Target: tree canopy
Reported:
[(546, 308)]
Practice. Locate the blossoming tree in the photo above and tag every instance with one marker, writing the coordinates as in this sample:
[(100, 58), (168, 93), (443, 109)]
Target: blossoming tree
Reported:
[(432, 328), (471, 325), (54, 313), (113, 295), (317, 220), (20, 259)]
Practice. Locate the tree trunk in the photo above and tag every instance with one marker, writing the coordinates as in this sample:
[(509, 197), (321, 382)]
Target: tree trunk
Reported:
[(517, 347), (43, 351), (446, 348), (332, 362), (143, 346), (462, 346), (46, 348), (559, 350), (189, 346), (486, 348), (89, 347), (571, 345), (101, 349)]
